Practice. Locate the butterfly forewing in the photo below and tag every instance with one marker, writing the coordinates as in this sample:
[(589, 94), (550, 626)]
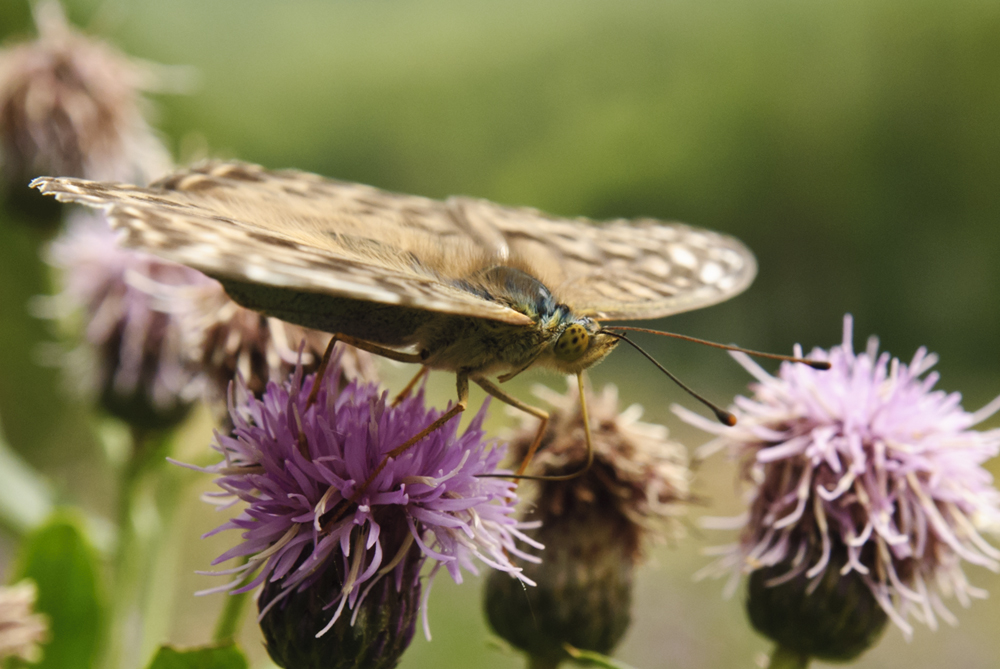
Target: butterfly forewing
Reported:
[(303, 232), (623, 269)]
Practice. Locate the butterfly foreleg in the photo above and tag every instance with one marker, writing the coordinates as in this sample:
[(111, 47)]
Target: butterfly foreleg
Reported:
[(543, 415), (540, 414)]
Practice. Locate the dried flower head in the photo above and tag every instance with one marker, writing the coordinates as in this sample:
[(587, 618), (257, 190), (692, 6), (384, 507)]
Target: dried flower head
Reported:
[(867, 470), (133, 358), (638, 471), (70, 105), (21, 630), (593, 526), (316, 527), (224, 339)]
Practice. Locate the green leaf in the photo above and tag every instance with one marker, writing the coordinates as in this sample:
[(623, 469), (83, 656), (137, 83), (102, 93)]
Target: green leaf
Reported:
[(64, 566), (226, 656), (592, 659), (25, 495)]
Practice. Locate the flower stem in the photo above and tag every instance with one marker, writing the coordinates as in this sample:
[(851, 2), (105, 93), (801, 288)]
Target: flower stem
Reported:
[(135, 551), (783, 658)]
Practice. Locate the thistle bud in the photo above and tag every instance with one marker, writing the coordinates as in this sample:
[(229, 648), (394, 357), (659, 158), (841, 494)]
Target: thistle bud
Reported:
[(834, 619), (131, 360), (374, 636)]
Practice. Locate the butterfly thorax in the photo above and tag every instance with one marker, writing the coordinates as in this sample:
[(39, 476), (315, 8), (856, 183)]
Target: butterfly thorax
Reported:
[(557, 339)]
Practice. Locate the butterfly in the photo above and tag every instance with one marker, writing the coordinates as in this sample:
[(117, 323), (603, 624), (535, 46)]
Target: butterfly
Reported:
[(464, 285)]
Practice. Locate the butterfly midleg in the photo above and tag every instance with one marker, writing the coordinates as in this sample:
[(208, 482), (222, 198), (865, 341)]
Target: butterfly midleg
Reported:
[(405, 392), (462, 381)]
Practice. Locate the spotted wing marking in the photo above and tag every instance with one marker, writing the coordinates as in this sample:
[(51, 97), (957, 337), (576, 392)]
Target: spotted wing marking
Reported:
[(174, 226), (306, 232)]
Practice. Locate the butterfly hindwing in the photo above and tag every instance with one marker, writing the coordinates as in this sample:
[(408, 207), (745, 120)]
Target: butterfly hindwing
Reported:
[(188, 227)]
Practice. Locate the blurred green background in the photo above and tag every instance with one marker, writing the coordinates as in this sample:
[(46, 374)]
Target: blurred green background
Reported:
[(854, 145)]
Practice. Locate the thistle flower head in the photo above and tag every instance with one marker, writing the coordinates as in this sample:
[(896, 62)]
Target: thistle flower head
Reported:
[(70, 105), (866, 469), (316, 502), (593, 526), (223, 340), (133, 357)]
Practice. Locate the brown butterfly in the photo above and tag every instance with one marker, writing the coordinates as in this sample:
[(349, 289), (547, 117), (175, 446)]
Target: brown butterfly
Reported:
[(463, 285)]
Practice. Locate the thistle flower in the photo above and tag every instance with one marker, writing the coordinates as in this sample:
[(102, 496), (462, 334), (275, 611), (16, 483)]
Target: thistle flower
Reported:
[(866, 483), (327, 532), (223, 339), (70, 105), (21, 630), (594, 527), (132, 358)]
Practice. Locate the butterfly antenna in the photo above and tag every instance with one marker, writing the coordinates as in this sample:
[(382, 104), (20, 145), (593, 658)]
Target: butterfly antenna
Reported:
[(724, 416), (815, 364)]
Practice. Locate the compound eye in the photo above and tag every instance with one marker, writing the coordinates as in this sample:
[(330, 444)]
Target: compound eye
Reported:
[(572, 343)]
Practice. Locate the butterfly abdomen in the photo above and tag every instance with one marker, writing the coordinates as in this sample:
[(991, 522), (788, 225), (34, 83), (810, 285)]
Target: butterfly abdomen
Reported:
[(385, 324)]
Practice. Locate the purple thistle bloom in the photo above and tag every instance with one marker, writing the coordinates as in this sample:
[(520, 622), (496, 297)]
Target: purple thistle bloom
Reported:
[(868, 466), (301, 516)]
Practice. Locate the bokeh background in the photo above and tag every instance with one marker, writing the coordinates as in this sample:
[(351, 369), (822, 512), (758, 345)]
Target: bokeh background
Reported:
[(854, 145)]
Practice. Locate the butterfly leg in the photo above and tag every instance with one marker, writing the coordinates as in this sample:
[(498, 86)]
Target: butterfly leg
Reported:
[(405, 392), (540, 414), (364, 346), (459, 407), (543, 415)]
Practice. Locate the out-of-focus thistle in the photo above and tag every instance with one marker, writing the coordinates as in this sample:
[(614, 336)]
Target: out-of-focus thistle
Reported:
[(71, 106), (867, 495), (594, 527), (337, 544), (21, 630), (132, 358), (224, 339)]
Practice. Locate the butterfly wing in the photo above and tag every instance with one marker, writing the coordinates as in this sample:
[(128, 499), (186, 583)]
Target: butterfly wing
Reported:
[(296, 231), (620, 270), (303, 232)]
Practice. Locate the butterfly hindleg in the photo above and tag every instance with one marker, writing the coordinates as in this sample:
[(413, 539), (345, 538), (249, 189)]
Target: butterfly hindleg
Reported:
[(364, 346)]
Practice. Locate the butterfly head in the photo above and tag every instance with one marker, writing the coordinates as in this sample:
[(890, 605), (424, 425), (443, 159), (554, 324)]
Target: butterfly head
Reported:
[(578, 344)]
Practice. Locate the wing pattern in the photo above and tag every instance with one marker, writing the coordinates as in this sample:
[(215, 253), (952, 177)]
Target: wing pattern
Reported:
[(304, 232)]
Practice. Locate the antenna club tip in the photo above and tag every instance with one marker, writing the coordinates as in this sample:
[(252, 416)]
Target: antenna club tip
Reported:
[(819, 364), (725, 418)]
